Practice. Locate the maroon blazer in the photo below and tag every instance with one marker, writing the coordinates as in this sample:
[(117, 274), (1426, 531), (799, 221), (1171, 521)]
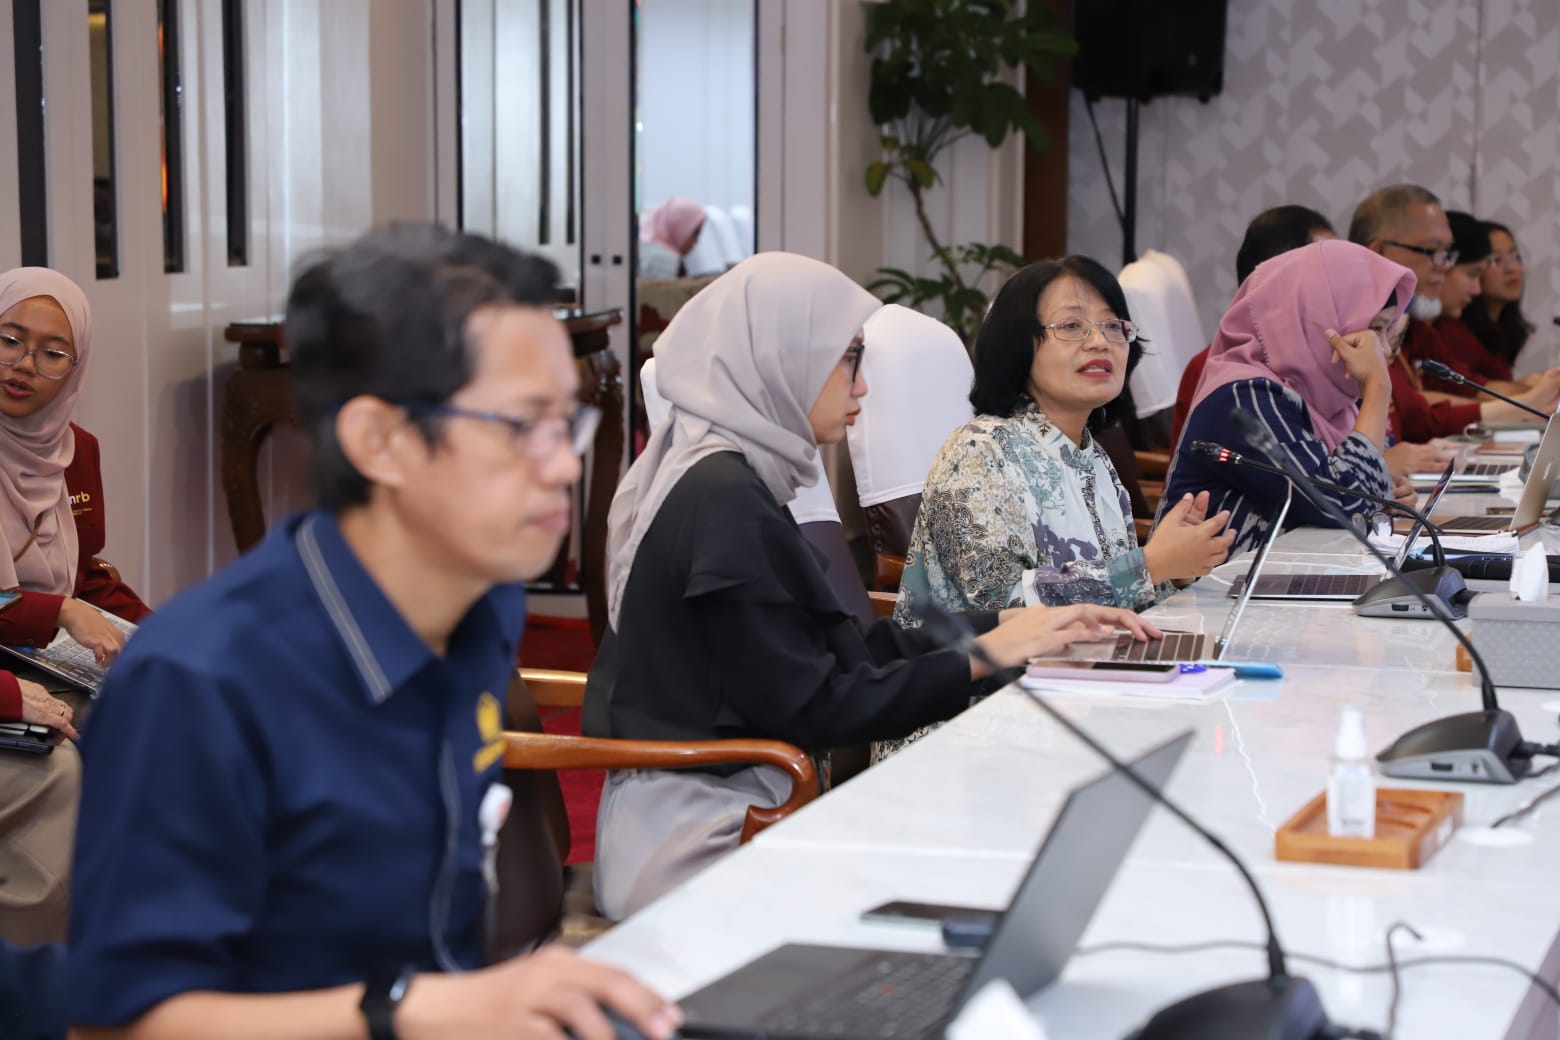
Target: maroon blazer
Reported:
[(33, 620)]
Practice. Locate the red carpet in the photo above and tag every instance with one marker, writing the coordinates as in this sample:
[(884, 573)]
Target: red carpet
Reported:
[(565, 643)]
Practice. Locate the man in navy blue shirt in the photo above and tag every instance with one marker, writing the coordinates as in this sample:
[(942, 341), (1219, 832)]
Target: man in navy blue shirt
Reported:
[(279, 831)]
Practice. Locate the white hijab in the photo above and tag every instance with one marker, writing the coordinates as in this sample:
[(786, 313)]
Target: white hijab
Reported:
[(920, 375), (740, 366)]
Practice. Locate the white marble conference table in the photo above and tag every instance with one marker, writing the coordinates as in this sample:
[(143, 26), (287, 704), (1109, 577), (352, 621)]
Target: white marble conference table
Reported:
[(957, 816)]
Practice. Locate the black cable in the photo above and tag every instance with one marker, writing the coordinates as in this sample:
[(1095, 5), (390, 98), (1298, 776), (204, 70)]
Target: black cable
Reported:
[(1397, 978), (1546, 987), (1528, 806), (1099, 142)]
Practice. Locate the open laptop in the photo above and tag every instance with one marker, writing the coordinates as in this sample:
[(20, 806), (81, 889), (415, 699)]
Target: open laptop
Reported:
[(1473, 473), (1530, 508), (1188, 646), (799, 992), (1344, 587), (67, 659)]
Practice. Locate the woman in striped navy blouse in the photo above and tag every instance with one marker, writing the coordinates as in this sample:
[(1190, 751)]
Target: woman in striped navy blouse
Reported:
[(1304, 348)]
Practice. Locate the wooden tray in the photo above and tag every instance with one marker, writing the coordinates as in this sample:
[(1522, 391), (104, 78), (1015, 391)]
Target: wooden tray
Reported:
[(1411, 825)]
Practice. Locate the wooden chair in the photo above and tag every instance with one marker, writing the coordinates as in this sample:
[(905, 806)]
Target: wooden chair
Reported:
[(538, 896)]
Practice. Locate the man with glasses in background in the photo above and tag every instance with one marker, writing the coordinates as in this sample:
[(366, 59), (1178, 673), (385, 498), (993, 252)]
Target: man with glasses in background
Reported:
[(280, 832), (1406, 224)]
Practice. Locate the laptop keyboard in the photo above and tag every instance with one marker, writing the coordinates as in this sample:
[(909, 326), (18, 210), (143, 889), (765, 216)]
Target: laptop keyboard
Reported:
[(1175, 646), (896, 995), (1324, 584), (1489, 469), (74, 661), (1476, 523)]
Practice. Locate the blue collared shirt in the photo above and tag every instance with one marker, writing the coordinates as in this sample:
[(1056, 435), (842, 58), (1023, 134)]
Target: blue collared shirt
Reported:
[(281, 786)]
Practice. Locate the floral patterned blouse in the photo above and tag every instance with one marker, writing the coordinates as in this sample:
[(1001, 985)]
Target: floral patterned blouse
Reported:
[(1014, 514)]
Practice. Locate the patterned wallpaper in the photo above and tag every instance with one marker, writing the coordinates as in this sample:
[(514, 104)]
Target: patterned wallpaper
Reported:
[(1325, 100)]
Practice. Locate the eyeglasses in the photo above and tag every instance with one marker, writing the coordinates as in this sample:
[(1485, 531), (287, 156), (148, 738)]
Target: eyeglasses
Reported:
[(1440, 259), (853, 357), (49, 362), (1500, 261), (534, 439), (1075, 330)]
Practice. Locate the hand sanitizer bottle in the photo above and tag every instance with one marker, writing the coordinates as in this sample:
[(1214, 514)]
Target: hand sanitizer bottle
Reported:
[(1351, 789)]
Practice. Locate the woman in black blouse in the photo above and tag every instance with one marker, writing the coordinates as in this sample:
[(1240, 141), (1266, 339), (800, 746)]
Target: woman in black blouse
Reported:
[(722, 623)]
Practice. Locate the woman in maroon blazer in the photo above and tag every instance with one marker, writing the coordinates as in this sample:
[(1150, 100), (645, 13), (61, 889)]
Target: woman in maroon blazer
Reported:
[(51, 483), (51, 526)]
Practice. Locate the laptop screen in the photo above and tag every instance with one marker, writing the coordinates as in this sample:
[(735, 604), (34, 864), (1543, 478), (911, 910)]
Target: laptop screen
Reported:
[(1070, 875), (1258, 559)]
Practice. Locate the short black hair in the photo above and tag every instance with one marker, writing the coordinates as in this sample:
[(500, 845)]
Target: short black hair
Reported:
[(1383, 209), (386, 317), (1011, 333), (1275, 231)]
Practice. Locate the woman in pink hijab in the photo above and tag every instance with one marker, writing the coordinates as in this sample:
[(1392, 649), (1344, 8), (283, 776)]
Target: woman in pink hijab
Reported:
[(667, 233), (1304, 349)]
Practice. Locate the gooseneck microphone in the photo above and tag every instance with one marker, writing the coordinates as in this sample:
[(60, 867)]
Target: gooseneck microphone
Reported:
[(1220, 454), (1446, 372), (1484, 746), (1279, 1007)]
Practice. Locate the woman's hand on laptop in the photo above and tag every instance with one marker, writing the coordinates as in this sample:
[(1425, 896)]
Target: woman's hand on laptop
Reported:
[(42, 708), (92, 630), (1047, 631)]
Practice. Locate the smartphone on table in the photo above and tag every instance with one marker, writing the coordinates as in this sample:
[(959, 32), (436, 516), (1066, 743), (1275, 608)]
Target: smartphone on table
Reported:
[(1111, 671)]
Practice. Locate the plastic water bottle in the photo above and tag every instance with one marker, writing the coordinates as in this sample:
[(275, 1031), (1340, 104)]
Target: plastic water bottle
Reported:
[(1351, 789)]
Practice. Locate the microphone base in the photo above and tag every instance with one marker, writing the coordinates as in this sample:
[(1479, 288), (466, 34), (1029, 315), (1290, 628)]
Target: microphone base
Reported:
[(1395, 597), (1480, 746), (1262, 1009)]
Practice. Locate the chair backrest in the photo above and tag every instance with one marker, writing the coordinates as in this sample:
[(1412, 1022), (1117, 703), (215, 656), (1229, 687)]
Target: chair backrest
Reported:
[(719, 223), (1159, 295), (918, 377), (813, 509), (533, 844)]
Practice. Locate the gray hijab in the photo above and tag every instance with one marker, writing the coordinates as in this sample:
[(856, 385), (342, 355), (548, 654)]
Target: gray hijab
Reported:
[(740, 365)]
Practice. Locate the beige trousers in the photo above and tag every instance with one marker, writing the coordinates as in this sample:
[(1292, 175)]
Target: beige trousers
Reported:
[(38, 797)]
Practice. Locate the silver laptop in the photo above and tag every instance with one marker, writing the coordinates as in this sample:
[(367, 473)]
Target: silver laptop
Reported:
[(1473, 473), (1344, 587), (1530, 507), (799, 992), (1189, 646), (67, 659)]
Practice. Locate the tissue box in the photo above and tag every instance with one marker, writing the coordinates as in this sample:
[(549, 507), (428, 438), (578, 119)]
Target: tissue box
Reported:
[(1519, 641)]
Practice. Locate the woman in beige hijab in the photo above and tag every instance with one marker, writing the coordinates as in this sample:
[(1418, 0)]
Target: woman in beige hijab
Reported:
[(722, 623), (45, 341)]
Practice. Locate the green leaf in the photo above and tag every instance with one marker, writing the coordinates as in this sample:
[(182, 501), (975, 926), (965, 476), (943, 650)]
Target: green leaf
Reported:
[(922, 172), (877, 173)]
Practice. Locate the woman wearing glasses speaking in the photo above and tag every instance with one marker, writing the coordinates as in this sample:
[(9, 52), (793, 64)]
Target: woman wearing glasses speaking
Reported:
[(1022, 505)]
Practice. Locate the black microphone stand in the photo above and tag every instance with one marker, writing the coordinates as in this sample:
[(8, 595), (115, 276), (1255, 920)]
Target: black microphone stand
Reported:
[(1484, 746), (1279, 1007), (1398, 596), (1446, 372)]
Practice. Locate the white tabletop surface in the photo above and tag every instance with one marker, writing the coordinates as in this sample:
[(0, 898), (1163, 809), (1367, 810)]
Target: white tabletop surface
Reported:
[(956, 818)]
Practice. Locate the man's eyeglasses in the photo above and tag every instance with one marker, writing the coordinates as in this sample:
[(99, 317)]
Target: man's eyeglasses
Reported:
[(534, 439), (49, 362), (1440, 259), (1075, 330)]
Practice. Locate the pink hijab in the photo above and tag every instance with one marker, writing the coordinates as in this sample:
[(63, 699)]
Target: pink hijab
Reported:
[(35, 451), (670, 223), (1276, 327)]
